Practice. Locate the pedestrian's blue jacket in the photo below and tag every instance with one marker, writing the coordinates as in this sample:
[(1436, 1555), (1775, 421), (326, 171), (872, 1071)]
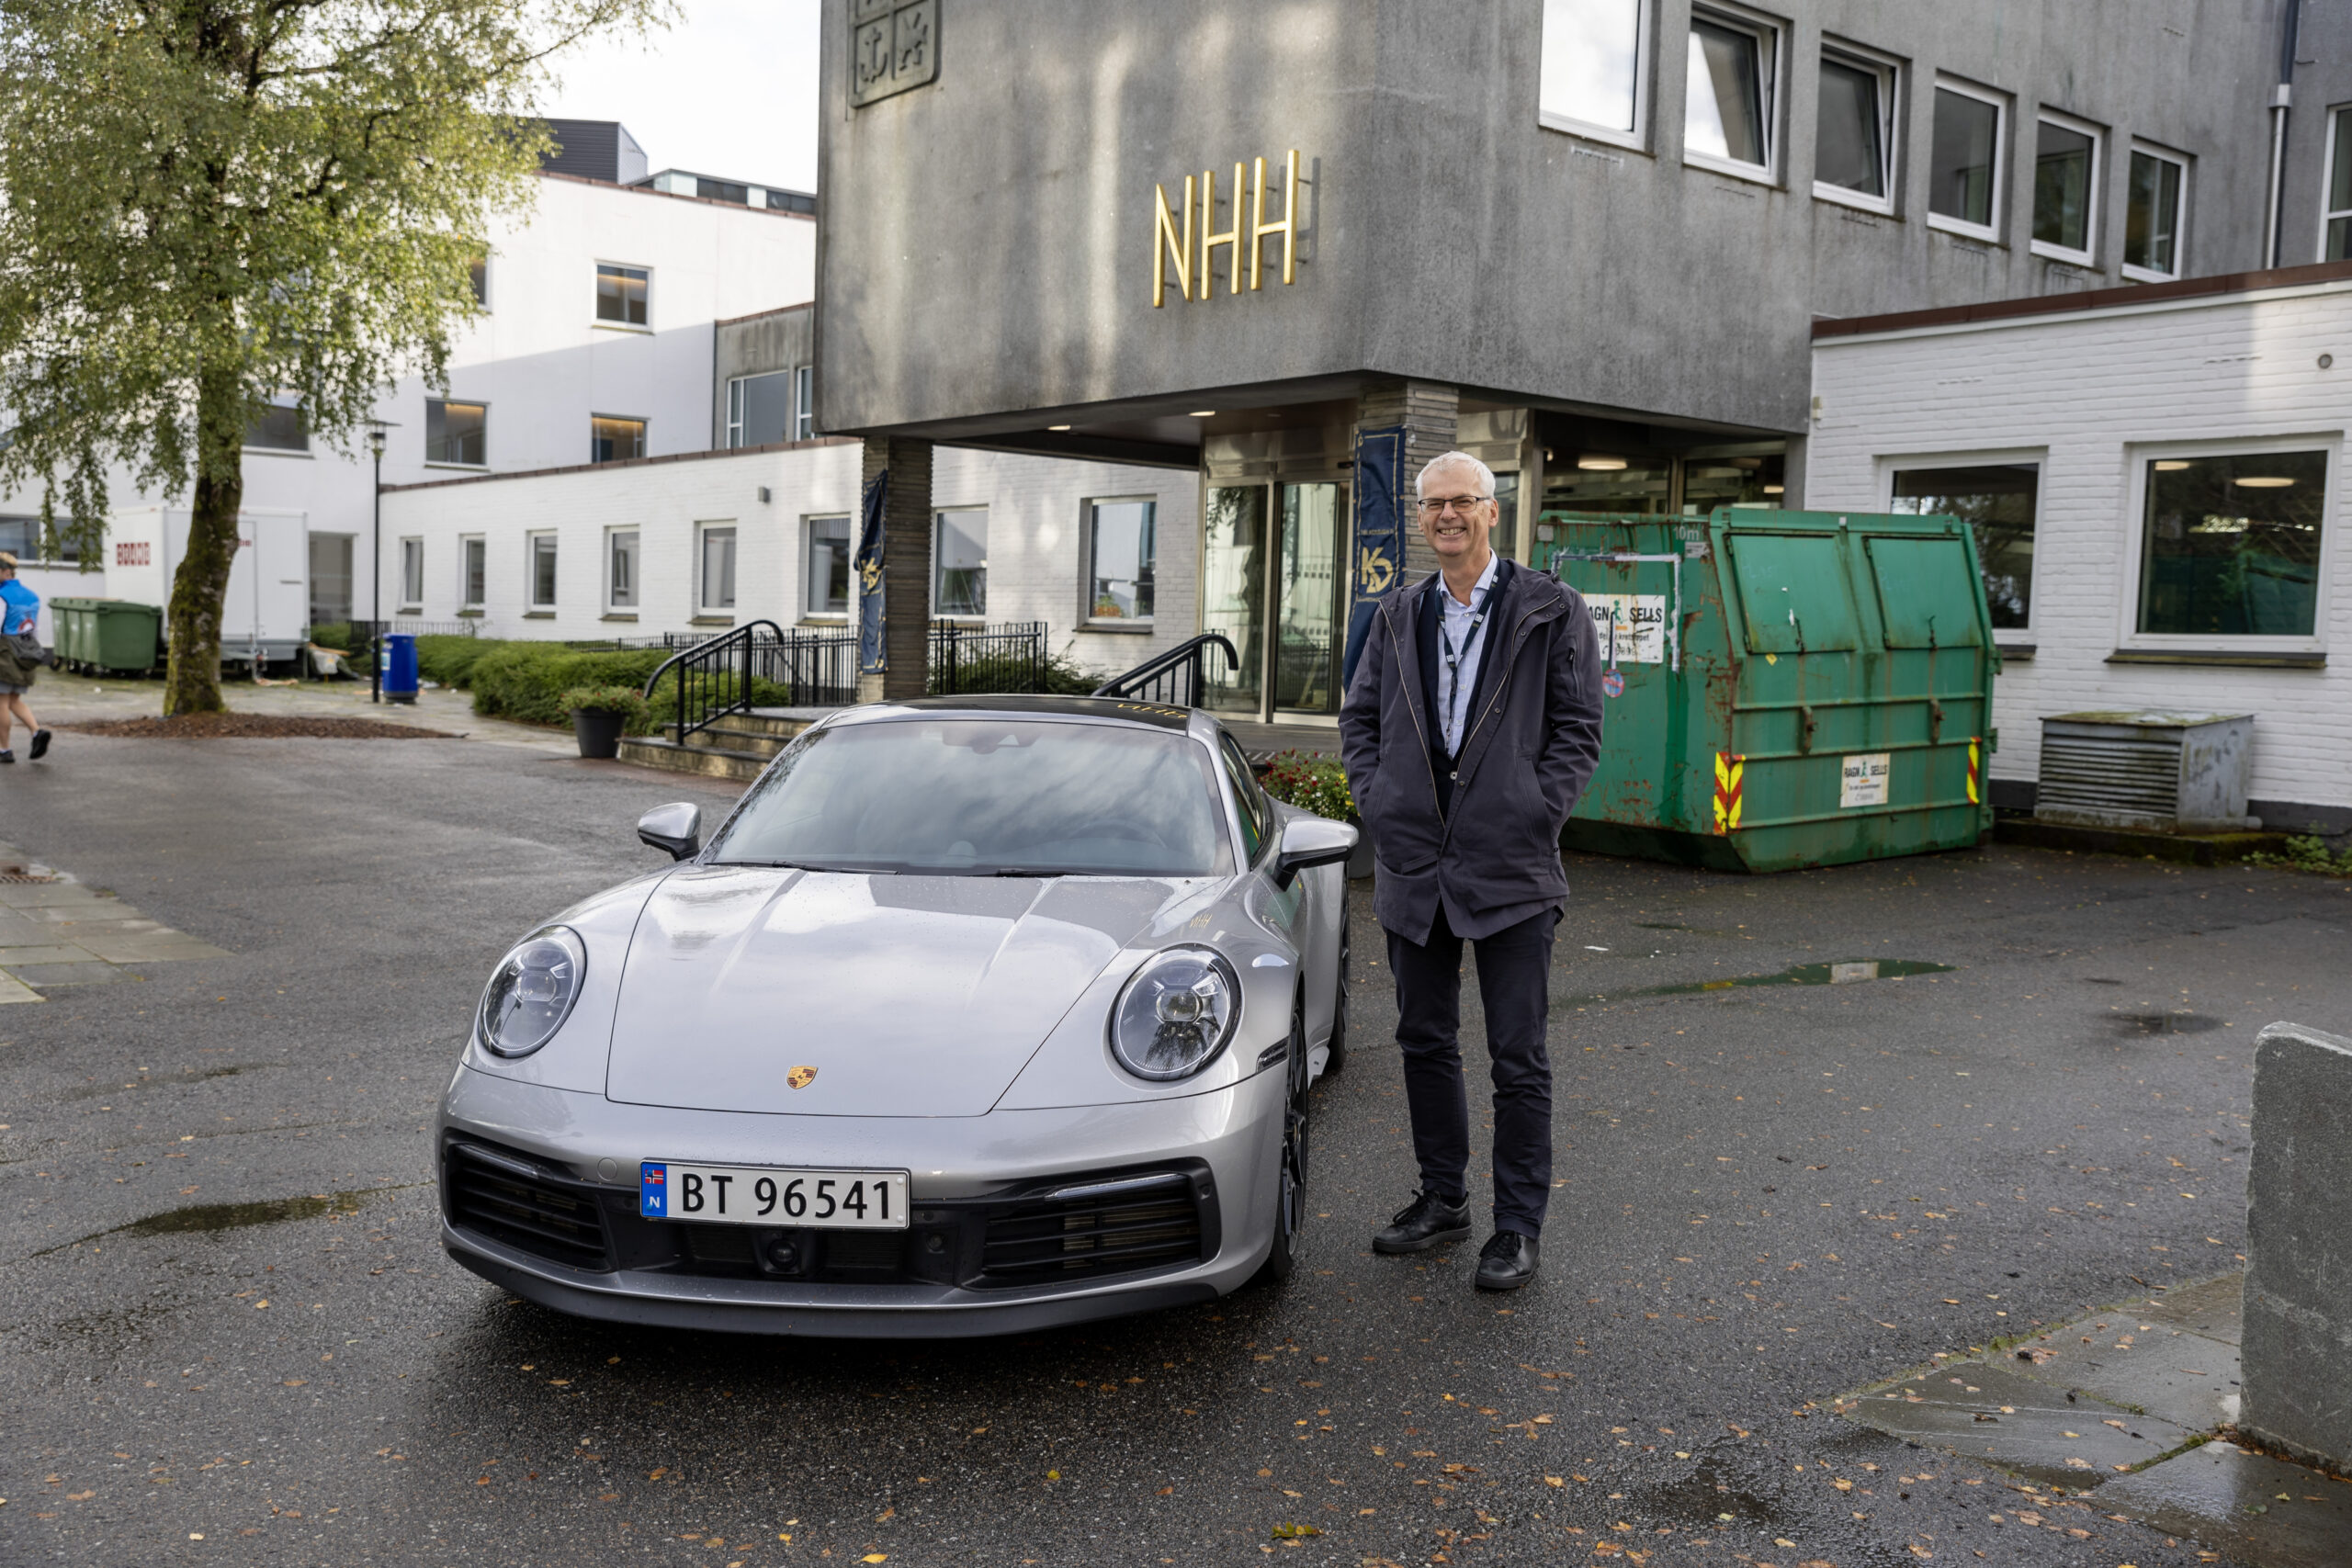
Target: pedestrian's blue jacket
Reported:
[(24, 607)]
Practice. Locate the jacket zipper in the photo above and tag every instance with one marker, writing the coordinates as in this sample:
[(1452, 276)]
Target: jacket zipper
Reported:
[(1399, 650)]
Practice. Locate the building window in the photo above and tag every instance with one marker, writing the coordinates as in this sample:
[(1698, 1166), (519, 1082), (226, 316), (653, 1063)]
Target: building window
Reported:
[(478, 274), (473, 571), (1964, 162), (2066, 188), (1854, 132), (330, 579), (620, 569), (1727, 118), (613, 440), (717, 574), (758, 409), (804, 403), (21, 536), (825, 591), (412, 575), (621, 294), (1592, 76), (456, 434), (279, 428), (2230, 545), (2154, 213), (2336, 221), (959, 583), (1997, 502), (1121, 550), (542, 570)]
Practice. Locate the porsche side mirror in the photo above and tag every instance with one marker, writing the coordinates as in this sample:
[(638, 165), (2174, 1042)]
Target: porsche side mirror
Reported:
[(1310, 842), (676, 827)]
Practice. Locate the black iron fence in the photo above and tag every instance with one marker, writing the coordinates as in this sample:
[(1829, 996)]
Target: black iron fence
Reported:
[(762, 665), (968, 659), (1177, 678)]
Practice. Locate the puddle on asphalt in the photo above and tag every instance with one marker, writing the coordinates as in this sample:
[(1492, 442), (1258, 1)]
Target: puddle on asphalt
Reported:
[(210, 1219), (159, 1079), (1677, 926), (1843, 972), (1706, 1499), (2131, 1025)]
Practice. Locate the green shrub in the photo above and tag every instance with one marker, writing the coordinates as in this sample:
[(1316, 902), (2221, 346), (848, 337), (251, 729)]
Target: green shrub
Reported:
[(526, 681), (336, 635), (450, 661), (1004, 672), (627, 701), (1312, 784), (2309, 853)]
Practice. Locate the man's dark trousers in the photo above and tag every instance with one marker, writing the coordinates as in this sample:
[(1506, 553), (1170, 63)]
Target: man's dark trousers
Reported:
[(1514, 967)]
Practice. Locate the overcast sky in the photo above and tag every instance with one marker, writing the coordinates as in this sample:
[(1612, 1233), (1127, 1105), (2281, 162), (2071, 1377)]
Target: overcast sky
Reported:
[(731, 91)]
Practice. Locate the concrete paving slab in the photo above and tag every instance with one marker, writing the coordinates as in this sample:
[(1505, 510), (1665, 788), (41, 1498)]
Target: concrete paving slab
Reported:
[(1985, 1411), (51, 895), (2215, 1309), (2261, 1510), (12, 990), (162, 946), (2185, 1378), (90, 972), (15, 957)]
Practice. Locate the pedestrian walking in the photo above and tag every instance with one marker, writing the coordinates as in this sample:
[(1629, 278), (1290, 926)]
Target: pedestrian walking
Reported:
[(1471, 728), (19, 659)]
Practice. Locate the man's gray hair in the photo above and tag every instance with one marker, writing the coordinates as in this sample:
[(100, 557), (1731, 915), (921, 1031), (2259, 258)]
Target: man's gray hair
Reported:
[(1456, 460)]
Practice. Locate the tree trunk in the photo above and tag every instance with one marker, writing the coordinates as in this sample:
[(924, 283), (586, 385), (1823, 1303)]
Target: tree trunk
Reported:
[(192, 679)]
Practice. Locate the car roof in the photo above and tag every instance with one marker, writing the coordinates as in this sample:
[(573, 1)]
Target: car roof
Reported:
[(1159, 716)]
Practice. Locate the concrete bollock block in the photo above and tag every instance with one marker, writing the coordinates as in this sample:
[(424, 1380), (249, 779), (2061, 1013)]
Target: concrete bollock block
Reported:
[(2298, 1343)]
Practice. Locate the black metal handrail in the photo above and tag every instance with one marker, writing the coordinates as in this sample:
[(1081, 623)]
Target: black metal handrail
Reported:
[(1176, 677), (714, 677)]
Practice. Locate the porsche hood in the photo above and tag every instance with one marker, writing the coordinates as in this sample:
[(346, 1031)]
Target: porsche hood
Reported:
[(820, 992)]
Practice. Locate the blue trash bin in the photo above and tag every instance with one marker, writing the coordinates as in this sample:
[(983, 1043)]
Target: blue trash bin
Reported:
[(400, 668)]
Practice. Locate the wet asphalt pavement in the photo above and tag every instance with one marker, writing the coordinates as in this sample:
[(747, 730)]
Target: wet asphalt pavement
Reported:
[(232, 1338)]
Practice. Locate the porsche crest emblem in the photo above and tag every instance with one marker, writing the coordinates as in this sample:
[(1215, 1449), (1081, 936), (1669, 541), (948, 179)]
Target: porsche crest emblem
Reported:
[(801, 1077)]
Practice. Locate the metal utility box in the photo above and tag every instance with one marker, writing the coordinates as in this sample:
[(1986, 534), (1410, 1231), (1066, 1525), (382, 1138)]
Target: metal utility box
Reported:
[(108, 634), (1787, 689), (266, 609), (2150, 770)]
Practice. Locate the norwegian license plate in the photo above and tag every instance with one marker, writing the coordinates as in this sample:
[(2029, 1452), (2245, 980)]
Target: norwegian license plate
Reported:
[(753, 1195)]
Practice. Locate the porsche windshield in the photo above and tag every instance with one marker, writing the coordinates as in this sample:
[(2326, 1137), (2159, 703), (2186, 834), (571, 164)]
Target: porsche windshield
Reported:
[(986, 796)]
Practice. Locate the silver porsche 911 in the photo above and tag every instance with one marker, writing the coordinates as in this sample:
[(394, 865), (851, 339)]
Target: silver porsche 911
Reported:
[(974, 1016)]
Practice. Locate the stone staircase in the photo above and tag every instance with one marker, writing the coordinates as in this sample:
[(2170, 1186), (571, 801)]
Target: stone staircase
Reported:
[(736, 747)]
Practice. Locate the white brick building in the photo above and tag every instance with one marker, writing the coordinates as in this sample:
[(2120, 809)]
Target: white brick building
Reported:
[(2157, 474)]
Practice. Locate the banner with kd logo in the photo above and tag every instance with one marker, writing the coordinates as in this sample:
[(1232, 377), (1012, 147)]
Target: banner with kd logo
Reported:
[(1379, 546), (873, 657)]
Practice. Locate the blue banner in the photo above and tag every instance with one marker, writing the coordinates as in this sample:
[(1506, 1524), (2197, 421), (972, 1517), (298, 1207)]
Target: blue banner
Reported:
[(1378, 560), (873, 656)]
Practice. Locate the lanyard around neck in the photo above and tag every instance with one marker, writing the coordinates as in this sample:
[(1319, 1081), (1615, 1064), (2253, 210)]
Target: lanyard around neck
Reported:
[(1453, 656)]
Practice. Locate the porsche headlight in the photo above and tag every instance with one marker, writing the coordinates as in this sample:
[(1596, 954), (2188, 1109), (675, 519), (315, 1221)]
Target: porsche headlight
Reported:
[(531, 992), (1176, 1014)]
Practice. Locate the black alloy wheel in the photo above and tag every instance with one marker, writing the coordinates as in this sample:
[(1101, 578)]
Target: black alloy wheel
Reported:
[(1290, 1185)]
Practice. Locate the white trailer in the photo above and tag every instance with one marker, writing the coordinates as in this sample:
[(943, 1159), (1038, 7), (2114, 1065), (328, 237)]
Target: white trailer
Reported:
[(264, 616)]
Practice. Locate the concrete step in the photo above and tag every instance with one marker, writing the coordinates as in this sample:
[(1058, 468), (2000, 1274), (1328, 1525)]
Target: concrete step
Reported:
[(727, 736), (694, 757)]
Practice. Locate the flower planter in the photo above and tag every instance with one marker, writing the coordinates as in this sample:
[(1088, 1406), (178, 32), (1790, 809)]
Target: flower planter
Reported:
[(598, 731)]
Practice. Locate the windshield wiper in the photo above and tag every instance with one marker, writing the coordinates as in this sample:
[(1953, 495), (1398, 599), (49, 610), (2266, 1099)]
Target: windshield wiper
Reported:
[(1024, 871)]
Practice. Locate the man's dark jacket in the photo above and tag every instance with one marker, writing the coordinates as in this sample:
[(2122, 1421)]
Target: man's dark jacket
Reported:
[(1530, 738)]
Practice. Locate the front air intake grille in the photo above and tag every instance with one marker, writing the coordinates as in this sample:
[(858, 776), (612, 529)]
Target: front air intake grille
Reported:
[(510, 1198), (1114, 1227)]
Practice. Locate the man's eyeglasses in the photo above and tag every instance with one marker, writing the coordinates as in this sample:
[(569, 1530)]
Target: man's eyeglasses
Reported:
[(1465, 504)]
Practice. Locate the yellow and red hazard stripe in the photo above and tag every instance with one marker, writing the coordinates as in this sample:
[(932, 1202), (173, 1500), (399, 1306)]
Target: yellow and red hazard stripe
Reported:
[(1976, 770), (1731, 770)]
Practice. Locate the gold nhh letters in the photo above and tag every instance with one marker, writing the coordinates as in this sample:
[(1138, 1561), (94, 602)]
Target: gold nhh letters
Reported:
[(1171, 241)]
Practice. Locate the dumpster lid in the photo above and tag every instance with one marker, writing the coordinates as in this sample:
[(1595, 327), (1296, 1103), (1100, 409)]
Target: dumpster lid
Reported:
[(2153, 719)]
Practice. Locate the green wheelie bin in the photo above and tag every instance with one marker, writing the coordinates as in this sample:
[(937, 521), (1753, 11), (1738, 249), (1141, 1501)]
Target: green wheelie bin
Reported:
[(106, 635), (1784, 689)]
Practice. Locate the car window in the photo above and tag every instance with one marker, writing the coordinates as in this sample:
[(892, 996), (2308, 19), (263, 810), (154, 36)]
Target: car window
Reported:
[(979, 797), (1254, 809)]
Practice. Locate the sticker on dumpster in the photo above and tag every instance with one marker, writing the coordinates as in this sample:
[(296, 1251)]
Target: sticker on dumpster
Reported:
[(1862, 779), (1640, 620)]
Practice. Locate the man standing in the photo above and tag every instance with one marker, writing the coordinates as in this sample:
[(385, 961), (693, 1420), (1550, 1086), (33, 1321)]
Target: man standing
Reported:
[(1470, 729)]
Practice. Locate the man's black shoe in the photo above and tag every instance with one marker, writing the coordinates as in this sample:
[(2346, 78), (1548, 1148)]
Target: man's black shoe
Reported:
[(40, 744), (1421, 1224), (1508, 1261)]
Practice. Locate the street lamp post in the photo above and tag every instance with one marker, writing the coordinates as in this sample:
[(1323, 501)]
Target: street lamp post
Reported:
[(376, 575)]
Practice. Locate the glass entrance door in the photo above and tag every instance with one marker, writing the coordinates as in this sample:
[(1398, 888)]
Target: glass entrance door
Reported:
[(1270, 581)]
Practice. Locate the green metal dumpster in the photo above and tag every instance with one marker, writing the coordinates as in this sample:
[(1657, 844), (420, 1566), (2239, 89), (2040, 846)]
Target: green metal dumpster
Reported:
[(1786, 689), (107, 634)]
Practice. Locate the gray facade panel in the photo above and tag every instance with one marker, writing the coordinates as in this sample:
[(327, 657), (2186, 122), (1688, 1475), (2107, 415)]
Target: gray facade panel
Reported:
[(757, 345)]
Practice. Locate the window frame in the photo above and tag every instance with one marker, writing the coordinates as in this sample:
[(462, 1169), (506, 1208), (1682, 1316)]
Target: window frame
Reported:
[(804, 403), (2088, 256), (1644, 66), (2338, 116), (411, 555), (2137, 456), (809, 521), (1891, 75), (612, 606), (1086, 619), (2004, 132), (1771, 81), (736, 400), (432, 462), (467, 544), (938, 519), (480, 289), (704, 608), (597, 320), (283, 400), (644, 436), (2180, 218), (532, 603), (1890, 465)]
